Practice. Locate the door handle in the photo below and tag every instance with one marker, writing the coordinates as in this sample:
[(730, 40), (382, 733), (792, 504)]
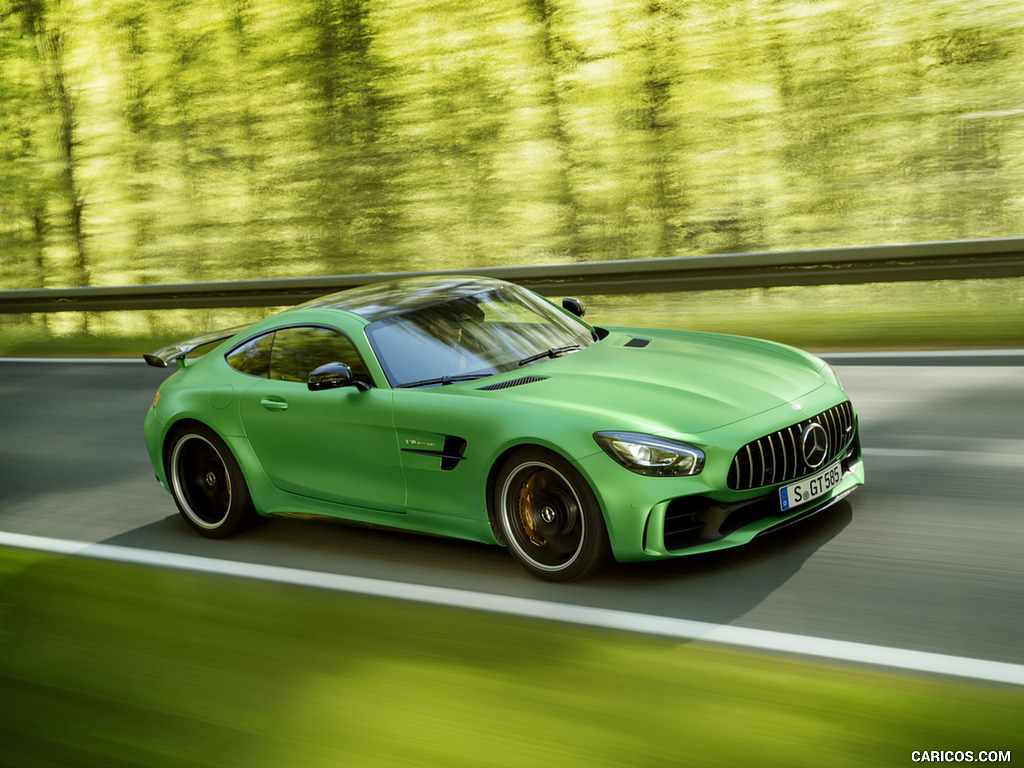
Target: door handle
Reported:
[(274, 403)]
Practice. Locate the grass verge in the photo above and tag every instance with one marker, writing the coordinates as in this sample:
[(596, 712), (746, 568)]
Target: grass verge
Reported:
[(946, 314), (112, 665)]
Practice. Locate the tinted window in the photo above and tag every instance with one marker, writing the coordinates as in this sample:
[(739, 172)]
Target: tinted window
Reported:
[(297, 352), (498, 329), (253, 357)]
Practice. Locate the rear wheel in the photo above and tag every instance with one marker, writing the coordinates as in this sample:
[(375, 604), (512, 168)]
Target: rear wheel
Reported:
[(549, 516), (207, 483)]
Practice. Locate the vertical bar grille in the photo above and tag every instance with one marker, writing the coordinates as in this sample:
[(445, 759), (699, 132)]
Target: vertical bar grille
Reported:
[(778, 457)]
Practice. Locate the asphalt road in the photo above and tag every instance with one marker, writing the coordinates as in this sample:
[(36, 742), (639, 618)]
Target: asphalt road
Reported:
[(927, 556)]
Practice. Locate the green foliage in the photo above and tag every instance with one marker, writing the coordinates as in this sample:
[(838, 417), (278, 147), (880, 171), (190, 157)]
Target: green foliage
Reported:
[(114, 665), (174, 140)]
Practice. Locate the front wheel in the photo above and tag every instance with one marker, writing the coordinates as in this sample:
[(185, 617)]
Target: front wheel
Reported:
[(207, 484), (549, 516)]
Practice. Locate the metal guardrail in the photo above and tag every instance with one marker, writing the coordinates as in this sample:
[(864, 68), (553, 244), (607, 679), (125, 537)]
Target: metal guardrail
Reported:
[(1002, 257)]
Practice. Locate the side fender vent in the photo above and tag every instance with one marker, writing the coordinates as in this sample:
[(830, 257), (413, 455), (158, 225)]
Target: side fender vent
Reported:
[(638, 343), (514, 382), (453, 452)]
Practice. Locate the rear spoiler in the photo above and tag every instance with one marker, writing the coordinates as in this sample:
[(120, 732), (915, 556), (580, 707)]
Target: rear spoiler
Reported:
[(176, 352)]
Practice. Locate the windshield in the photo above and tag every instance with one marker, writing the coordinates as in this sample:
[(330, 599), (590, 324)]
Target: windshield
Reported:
[(493, 331)]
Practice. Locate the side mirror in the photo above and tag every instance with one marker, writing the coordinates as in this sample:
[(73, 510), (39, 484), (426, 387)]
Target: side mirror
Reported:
[(334, 376), (575, 306)]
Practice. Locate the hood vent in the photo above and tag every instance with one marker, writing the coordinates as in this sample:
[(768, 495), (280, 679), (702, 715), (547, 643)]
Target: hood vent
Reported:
[(514, 382), (638, 343)]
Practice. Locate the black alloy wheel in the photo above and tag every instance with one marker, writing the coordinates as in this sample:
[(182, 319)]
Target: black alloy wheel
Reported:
[(207, 484), (549, 516)]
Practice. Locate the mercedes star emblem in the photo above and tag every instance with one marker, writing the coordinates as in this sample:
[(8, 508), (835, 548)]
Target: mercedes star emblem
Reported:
[(815, 445)]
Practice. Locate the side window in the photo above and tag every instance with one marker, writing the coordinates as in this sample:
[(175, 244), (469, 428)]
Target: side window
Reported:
[(298, 352), (253, 357)]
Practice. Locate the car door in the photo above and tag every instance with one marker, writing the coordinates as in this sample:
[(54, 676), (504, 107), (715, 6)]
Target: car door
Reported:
[(337, 445)]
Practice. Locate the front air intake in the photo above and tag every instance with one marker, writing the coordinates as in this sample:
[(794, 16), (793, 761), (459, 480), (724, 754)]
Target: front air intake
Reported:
[(779, 457)]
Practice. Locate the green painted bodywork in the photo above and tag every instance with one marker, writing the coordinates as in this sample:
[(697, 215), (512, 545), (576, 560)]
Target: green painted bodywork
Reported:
[(370, 456)]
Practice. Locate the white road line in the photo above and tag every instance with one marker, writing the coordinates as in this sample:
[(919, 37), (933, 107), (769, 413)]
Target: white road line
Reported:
[(683, 629), (951, 354), (1011, 456)]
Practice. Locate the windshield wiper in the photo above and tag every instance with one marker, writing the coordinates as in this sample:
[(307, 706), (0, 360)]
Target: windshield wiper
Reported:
[(444, 380), (554, 352)]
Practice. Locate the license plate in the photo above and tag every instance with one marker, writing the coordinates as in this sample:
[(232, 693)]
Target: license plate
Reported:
[(811, 488)]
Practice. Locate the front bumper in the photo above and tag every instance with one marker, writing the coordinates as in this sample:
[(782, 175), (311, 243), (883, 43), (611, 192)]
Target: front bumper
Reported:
[(655, 518), (699, 524)]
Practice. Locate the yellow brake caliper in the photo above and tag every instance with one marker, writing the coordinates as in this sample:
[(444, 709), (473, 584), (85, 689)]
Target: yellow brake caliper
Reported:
[(528, 519)]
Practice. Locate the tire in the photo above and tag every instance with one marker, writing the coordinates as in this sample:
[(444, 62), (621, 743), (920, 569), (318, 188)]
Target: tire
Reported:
[(207, 484), (549, 516)]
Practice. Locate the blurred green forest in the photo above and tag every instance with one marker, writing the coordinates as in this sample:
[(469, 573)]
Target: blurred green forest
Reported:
[(148, 141)]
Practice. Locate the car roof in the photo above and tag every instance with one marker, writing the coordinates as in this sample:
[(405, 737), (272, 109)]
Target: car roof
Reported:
[(377, 301)]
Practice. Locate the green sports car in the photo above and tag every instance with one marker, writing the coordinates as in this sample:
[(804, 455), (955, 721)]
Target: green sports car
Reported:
[(474, 408)]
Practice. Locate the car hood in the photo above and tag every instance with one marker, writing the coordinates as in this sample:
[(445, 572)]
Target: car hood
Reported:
[(679, 381)]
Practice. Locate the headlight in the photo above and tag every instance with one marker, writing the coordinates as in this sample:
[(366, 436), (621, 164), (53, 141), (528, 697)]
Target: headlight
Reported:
[(832, 372), (650, 455)]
